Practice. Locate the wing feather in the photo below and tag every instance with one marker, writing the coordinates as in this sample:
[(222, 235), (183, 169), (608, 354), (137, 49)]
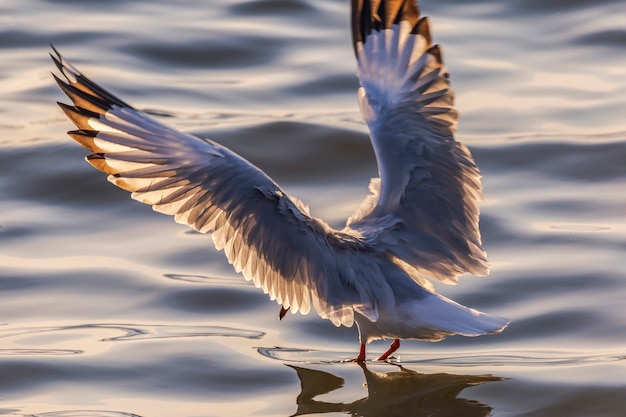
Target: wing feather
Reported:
[(296, 259), (423, 209)]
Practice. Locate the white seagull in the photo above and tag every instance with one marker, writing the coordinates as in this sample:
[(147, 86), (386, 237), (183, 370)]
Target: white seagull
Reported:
[(419, 222)]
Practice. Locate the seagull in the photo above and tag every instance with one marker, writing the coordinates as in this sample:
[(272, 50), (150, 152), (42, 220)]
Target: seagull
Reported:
[(419, 222)]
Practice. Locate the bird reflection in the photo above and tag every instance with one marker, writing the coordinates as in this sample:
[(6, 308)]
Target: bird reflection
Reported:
[(403, 393)]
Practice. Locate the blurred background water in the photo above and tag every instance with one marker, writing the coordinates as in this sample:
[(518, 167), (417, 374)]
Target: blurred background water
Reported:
[(109, 309)]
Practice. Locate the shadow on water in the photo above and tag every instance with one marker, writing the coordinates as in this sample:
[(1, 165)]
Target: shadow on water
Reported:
[(398, 393), (401, 392)]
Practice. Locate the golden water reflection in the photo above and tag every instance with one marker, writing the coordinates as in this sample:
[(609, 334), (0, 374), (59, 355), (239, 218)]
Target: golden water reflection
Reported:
[(403, 392)]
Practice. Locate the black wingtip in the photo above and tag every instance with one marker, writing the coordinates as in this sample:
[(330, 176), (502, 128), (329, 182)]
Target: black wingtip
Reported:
[(80, 85), (81, 111), (57, 63), (56, 58), (84, 132), (83, 99), (369, 16), (65, 106), (55, 50), (435, 51), (60, 82), (95, 157), (422, 27), (80, 117)]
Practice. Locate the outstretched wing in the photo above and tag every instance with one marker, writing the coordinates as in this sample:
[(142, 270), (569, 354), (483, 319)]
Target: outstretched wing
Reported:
[(266, 235), (423, 209)]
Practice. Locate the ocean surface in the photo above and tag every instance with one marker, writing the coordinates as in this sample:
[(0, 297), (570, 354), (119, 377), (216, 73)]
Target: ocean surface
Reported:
[(108, 309)]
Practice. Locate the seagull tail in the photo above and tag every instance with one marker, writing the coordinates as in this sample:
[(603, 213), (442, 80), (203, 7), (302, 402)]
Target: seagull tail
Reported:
[(431, 318), (445, 316)]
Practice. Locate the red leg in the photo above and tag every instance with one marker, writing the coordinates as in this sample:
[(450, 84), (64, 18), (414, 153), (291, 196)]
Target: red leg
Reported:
[(361, 357), (394, 346)]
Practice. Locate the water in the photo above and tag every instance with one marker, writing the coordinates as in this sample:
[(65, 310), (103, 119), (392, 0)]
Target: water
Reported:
[(109, 309)]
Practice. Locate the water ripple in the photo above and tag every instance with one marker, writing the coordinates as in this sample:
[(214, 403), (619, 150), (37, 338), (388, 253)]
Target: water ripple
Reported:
[(204, 279), (511, 358), (272, 7), (47, 352), (84, 413), (231, 52), (54, 334)]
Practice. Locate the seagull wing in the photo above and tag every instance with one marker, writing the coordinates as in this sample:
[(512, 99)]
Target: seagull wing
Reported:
[(268, 236), (423, 210)]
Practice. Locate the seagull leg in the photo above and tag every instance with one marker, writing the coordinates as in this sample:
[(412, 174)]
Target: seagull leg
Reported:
[(361, 358), (394, 346), (283, 311)]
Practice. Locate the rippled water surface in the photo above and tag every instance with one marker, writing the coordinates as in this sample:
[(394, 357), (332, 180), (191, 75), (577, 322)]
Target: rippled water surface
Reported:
[(110, 310)]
